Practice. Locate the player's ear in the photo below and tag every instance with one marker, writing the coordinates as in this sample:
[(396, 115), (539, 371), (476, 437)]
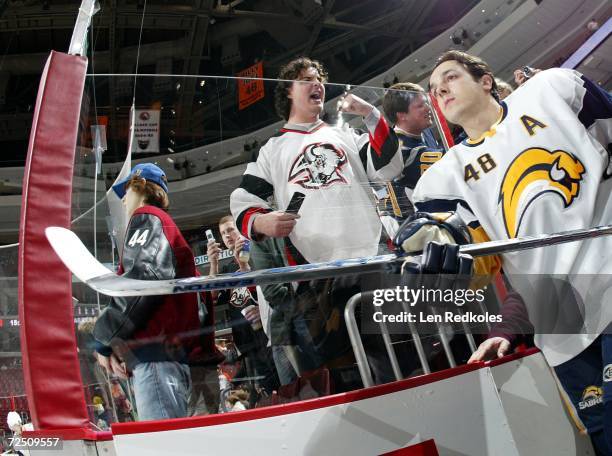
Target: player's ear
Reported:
[(487, 82)]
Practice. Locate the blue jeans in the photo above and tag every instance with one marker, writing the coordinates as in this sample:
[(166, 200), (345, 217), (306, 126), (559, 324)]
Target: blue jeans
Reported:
[(204, 395), (284, 369), (307, 356), (161, 390)]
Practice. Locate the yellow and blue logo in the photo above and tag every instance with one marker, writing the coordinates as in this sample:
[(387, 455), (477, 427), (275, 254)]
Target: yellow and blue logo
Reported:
[(559, 171), (592, 395)]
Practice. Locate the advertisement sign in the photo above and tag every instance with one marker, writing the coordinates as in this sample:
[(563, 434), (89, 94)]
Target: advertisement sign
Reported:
[(146, 131), (250, 91)]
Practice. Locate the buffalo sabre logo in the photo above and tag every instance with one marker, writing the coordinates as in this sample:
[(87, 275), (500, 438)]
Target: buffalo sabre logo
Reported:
[(533, 173), (592, 395), (239, 297), (319, 165)]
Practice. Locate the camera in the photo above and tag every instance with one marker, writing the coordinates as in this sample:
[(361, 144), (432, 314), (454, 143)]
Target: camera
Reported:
[(528, 72)]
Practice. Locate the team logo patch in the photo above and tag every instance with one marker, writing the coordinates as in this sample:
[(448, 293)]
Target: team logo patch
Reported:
[(319, 165), (591, 396), (557, 172), (239, 297), (607, 373)]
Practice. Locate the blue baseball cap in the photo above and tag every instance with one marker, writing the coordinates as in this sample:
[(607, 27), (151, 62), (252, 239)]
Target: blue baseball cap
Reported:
[(148, 171)]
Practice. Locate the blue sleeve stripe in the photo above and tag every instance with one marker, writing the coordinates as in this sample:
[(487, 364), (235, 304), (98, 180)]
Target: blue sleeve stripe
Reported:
[(597, 104), (441, 205)]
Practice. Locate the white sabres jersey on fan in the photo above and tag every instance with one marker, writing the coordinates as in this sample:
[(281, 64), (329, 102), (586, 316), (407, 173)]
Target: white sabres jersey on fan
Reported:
[(332, 166), (544, 167)]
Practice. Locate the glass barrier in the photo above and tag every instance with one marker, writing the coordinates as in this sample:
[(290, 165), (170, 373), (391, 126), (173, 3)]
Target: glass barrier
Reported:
[(265, 345), (12, 390), (107, 398)]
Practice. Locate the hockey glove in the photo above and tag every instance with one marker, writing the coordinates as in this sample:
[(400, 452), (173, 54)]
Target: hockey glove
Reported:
[(437, 237)]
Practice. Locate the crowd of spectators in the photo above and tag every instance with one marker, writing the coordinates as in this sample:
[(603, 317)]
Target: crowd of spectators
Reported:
[(284, 333)]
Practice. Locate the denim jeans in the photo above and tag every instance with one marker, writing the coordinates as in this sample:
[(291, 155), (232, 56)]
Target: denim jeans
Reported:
[(205, 392), (161, 390), (286, 372), (304, 354)]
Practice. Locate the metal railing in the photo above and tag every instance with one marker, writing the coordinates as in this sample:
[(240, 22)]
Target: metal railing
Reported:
[(443, 332)]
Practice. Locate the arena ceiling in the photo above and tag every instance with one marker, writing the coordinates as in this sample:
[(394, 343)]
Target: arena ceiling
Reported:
[(355, 39)]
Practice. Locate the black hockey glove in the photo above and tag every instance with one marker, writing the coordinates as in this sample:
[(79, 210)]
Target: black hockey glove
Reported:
[(437, 238)]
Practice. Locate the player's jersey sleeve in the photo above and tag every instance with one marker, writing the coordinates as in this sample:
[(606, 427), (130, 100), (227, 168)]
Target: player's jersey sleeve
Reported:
[(379, 149), (147, 255), (251, 196), (590, 102), (596, 115), (436, 193)]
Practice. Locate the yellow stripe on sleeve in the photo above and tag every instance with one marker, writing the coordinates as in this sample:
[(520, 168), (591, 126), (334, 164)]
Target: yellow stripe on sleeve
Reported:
[(485, 267)]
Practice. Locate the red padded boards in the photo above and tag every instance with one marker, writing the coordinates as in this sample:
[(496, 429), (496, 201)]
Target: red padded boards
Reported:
[(48, 343)]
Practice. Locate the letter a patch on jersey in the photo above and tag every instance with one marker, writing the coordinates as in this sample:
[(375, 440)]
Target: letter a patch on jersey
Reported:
[(532, 173), (531, 124)]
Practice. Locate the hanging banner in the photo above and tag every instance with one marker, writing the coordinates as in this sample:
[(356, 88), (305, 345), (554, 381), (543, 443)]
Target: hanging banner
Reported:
[(146, 131), (250, 91)]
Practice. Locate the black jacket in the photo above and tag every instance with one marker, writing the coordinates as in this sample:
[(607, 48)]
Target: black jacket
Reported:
[(154, 328)]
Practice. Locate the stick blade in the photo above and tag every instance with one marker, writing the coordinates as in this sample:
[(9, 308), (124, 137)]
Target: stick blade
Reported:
[(74, 254), (79, 260)]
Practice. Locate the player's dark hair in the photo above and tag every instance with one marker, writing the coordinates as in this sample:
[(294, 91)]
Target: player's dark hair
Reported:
[(398, 98), (474, 65), (290, 72), (153, 193)]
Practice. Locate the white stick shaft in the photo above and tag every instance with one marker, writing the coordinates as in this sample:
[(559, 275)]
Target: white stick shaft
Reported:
[(532, 242), (83, 265)]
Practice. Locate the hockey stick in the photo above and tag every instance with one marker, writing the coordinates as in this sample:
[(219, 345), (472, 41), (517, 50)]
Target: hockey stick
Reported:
[(89, 270)]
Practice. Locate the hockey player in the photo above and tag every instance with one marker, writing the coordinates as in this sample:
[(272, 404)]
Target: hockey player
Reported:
[(332, 167), (154, 337), (537, 163)]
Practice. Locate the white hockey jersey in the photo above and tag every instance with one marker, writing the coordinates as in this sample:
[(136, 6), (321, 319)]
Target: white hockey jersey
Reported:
[(544, 167), (333, 167)]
